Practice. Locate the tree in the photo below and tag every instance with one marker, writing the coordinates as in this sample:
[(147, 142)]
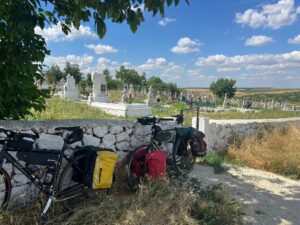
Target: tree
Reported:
[(223, 86), (22, 52), (73, 70), (54, 74), (158, 84), (106, 73), (130, 76)]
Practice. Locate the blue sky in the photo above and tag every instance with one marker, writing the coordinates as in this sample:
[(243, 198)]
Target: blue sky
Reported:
[(255, 42)]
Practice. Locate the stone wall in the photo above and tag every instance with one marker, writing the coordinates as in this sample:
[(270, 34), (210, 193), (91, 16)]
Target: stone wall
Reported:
[(219, 133), (120, 136)]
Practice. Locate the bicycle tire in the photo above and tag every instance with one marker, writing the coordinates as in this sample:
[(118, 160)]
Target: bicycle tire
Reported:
[(5, 184), (132, 180), (78, 194), (183, 159)]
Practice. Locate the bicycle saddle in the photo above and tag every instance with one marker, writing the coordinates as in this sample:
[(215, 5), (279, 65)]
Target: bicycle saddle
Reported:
[(68, 128)]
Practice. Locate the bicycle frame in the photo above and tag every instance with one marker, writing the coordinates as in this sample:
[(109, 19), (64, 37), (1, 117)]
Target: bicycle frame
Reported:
[(49, 189)]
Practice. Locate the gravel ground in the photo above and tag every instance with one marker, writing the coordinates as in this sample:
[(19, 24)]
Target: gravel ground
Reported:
[(269, 199)]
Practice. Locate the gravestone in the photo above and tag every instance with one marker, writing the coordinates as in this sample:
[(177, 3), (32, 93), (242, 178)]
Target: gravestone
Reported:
[(70, 89), (45, 85), (150, 99), (124, 94), (99, 88), (131, 94), (225, 103)]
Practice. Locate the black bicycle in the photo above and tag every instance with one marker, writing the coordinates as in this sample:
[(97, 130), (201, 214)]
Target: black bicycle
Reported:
[(57, 173), (177, 142)]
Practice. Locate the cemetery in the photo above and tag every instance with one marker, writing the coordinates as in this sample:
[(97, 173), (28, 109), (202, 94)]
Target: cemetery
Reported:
[(192, 119)]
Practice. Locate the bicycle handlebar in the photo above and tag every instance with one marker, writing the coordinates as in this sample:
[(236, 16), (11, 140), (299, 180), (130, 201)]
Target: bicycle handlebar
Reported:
[(11, 134), (153, 120)]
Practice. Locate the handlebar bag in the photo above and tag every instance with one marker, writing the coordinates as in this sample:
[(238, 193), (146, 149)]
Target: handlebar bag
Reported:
[(156, 164), (20, 142)]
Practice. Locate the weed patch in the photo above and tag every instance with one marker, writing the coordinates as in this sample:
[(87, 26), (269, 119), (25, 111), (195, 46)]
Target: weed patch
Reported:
[(158, 203), (216, 161), (277, 151)]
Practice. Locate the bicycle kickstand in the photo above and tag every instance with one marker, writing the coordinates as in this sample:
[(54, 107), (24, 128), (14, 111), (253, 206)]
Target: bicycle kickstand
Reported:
[(44, 213)]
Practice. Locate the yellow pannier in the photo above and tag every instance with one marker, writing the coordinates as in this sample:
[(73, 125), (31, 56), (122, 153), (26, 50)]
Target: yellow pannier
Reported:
[(104, 169)]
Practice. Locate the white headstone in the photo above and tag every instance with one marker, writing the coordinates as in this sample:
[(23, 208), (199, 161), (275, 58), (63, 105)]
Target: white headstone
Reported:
[(124, 94), (225, 103), (70, 89), (45, 85), (99, 88), (150, 100), (131, 93)]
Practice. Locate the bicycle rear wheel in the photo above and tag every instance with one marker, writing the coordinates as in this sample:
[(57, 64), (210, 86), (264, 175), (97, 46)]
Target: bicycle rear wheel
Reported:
[(183, 158), (5, 189), (135, 169), (72, 192)]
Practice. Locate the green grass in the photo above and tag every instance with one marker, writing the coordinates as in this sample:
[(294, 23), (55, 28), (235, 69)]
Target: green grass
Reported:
[(65, 109), (215, 161), (174, 109), (57, 109)]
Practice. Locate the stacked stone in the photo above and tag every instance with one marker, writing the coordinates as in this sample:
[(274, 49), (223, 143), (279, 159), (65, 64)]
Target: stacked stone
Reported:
[(115, 135)]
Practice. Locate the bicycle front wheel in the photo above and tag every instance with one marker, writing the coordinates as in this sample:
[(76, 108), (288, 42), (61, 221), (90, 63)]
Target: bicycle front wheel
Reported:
[(183, 158), (135, 166), (5, 189)]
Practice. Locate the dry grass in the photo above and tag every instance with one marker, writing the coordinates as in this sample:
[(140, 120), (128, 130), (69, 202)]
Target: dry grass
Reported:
[(276, 151), (155, 203)]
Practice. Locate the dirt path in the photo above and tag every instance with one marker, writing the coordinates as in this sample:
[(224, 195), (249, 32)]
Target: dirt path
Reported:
[(269, 199)]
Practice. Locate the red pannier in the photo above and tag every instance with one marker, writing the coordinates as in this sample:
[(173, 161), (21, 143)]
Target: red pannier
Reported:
[(156, 163)]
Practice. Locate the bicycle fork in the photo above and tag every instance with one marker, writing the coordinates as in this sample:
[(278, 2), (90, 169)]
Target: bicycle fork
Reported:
[(45, 211)]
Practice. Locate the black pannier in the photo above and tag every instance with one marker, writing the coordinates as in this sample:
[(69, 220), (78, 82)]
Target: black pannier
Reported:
[(195, 139), (197, 143), (37, 158)]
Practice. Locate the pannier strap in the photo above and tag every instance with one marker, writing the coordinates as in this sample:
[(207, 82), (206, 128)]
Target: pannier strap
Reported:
[(68, 128)]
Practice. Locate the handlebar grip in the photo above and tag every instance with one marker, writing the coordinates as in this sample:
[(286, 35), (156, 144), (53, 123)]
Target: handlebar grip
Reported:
[(166, 119)]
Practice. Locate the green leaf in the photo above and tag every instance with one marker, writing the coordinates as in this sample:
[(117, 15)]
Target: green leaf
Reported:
[(169, 2), (133, 26), (101, 27), (176, 2)]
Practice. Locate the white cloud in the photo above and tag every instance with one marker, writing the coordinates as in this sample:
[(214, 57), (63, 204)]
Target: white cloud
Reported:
[(295, 40), (173, 72), (166, 21), (55, 33), (258, 40), (102, 49), (152, 64), (103, 60), (186, 45), (272, 16), (83, 61), (270, 63), (228, 69), (126, 64)]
